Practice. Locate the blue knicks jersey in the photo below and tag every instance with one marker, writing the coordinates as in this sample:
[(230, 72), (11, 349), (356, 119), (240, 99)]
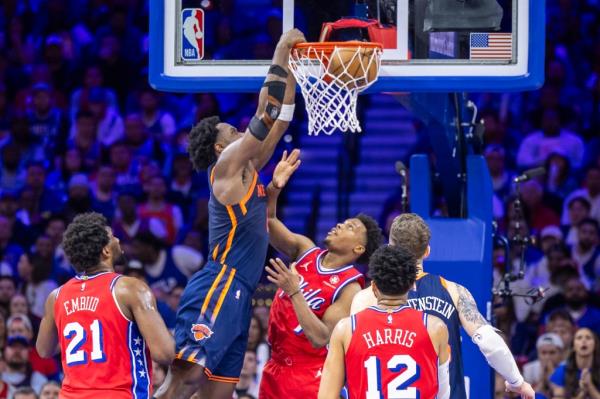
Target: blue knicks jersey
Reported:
[(237, 234), (432, 297)]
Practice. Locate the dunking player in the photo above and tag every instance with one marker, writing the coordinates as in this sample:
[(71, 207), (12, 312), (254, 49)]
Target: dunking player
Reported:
[(389, 350), (107, 324), (211, 332), (314, 294), (455, 305)]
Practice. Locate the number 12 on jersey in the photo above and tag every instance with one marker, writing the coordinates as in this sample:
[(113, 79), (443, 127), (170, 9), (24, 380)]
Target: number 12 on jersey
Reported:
[(78, 335), (399, 387)]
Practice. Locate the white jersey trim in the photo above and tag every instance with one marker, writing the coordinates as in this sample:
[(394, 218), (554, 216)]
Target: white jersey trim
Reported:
[(112, 292)]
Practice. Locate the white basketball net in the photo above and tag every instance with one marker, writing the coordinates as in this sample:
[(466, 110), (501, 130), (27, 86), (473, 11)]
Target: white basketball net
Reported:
[(330, 100)]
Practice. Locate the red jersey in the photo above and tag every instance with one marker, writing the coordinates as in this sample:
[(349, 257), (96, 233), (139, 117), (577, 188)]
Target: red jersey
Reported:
[(391, 355), (320, 287), (103, 353)]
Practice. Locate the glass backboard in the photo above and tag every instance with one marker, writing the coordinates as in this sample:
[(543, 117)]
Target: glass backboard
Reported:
[(431, 45)]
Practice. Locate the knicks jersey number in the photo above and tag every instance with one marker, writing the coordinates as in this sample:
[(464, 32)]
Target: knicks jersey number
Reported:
[(78, 335), (399, 387)]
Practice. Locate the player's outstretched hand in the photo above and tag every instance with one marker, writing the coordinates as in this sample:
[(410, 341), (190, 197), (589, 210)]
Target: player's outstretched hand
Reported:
[(283, 277), (286, 168), (525, 390), (291, 37)]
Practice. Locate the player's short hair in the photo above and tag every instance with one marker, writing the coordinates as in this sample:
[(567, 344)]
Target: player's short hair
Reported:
[(202, 141), (84, 239), (393, 269), (410, 230), (373, 234)]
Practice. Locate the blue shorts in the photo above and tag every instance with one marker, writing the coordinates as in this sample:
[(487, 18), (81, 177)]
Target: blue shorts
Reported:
[(213, 321)]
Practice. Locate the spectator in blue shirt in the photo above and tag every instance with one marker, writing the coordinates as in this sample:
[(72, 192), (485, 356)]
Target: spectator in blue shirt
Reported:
[(579, 376)]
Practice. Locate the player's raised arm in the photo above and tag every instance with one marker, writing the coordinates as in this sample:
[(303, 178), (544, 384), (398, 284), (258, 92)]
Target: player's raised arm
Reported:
[(334, 370), (274, 93), (490, 343), (281, 123), (138, 303), (47, 340), (280, 237)]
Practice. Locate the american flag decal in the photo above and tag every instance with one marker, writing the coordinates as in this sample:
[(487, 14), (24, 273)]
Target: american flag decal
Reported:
[(491, 46)]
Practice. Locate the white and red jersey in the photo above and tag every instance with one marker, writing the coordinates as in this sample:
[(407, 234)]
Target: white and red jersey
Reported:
[(391, 355), (103, 354), (320, 287)]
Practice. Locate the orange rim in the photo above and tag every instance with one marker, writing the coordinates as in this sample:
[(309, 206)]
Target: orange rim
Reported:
[(328, 47)]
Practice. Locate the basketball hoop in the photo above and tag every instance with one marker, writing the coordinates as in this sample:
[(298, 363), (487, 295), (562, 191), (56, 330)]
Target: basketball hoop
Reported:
[(331, 75)]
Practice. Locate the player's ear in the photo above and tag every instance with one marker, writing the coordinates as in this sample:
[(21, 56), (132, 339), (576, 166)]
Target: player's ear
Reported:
[(427, 252), (219, 148), (359, 250), (375, 289), (106, 252)]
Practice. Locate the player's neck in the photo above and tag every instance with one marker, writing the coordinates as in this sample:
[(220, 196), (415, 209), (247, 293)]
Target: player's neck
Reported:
[(420, 266), (391, 302), (334, 261), (101, 268)]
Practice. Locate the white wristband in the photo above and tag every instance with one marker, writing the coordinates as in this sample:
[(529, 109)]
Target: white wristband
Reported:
[(286, 113)]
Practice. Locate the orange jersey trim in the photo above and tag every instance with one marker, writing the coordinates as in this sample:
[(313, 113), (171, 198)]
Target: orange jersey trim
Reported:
[(248, 194), (420, 275), (217, 378), (215, 252), (192, 357), (444, 283), (231, 233), (223, 294), (212, 290)]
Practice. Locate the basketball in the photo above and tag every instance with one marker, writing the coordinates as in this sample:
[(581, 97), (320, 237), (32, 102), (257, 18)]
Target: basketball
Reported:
[(354, 67)]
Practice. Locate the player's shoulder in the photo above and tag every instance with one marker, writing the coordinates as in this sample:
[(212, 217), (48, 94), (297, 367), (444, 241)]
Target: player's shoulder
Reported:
[(130, 290), (436, 327), (435, 322), (343, 326), (362, 300), (53, 296), (127, 284)]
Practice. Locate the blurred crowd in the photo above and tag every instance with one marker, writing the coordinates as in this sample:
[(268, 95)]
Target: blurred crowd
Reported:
[(557, 127), (81, 130)]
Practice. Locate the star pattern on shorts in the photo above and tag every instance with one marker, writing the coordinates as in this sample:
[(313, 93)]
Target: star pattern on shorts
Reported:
[(138, 355)]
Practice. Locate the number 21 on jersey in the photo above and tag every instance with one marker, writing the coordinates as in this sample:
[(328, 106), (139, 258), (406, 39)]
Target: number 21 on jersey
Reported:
[(399, 387), (78, 335)]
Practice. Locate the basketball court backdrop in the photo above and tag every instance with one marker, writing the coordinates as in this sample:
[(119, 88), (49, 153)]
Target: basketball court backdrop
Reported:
[(433, 51)]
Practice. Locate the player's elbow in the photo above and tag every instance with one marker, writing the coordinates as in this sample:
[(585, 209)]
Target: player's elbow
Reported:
[(164, 354), (164, 357), (45, 351), (319, 341)]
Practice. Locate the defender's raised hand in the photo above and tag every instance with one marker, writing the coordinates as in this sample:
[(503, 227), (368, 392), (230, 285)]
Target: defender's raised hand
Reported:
[(286, 168), (283, 277)]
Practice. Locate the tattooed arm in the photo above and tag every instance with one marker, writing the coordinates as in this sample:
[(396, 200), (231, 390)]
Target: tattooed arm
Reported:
[(491, 345), (469, 315)]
